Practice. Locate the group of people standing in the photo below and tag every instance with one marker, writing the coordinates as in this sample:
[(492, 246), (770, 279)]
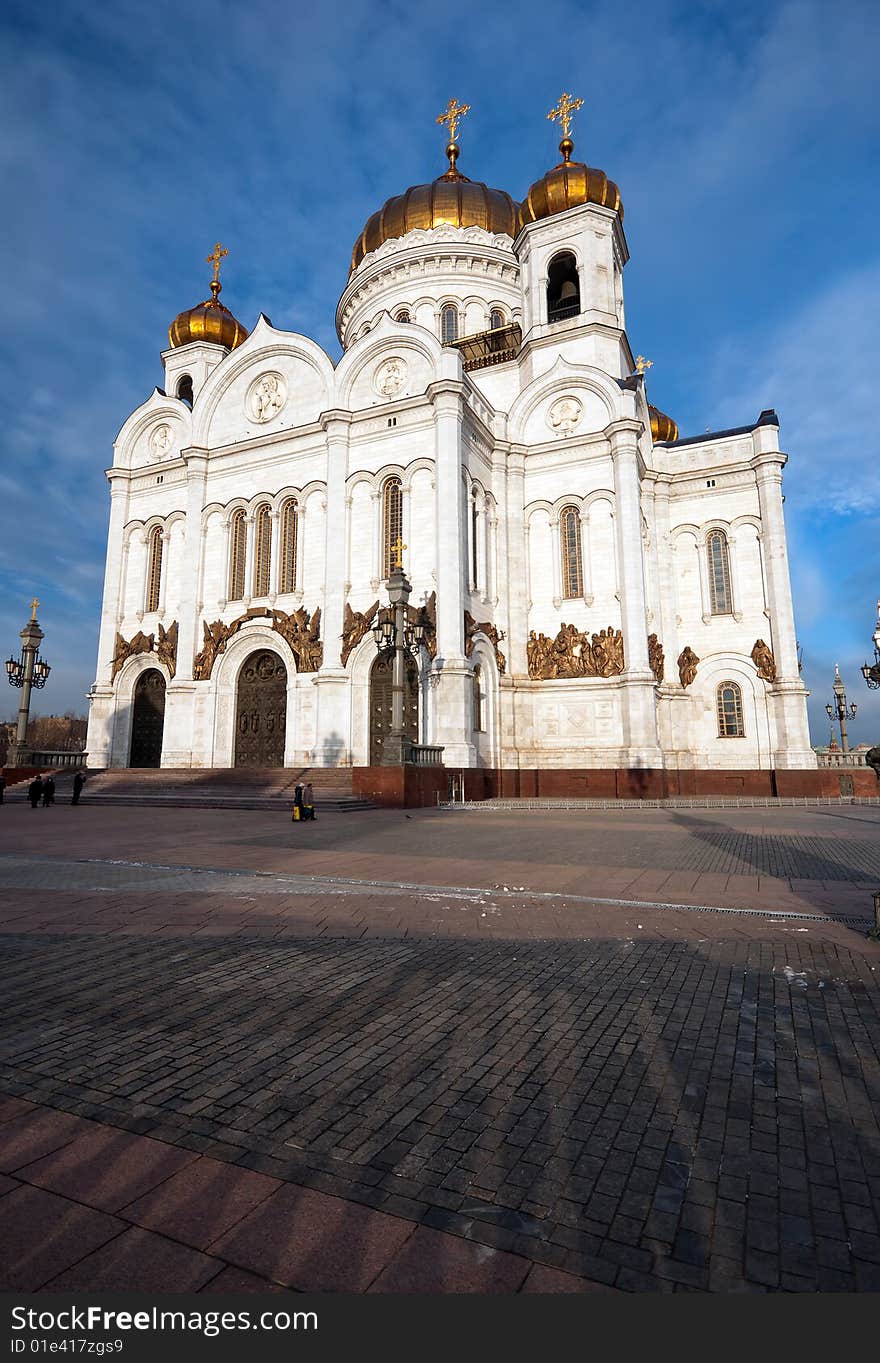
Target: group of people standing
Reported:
[(303, 801), (42, 790)]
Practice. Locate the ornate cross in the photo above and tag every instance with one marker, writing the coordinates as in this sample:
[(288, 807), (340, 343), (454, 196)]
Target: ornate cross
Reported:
[(564, 110), (34, 605), (215, 257), (642, 364), (455, 112), (397, 552)]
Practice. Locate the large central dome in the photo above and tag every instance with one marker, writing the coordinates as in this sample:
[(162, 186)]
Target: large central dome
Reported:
[(452, 199)]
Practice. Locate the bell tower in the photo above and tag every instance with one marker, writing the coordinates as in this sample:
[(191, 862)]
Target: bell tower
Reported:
[(572, 251)]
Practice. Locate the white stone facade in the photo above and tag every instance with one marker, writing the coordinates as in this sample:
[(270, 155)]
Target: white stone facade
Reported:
[(499, 454)]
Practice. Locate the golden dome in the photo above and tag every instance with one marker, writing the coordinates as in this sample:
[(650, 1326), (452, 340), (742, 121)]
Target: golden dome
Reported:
[(209, 321), (569, 185), (452, 199), (662, 426)]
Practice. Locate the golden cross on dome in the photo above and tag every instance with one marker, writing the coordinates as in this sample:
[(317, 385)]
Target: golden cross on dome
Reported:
[(455, 112), (214, 258), (34, 605), (397, 553), (564, 110), (642, 364)]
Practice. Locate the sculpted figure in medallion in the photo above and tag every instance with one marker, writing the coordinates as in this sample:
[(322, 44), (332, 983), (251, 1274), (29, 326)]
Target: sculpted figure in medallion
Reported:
[(764, 661), (267, 397), (390, 377), (687, 665), (564, 415), (160, 442)]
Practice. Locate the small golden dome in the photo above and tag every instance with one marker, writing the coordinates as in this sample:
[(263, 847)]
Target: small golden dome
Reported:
[(569, 185), (452, 199), (209, 321), (662, 426)]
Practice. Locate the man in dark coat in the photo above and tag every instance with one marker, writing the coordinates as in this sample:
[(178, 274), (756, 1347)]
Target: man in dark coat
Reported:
[(48, 791), (35, 791), (79, 781)]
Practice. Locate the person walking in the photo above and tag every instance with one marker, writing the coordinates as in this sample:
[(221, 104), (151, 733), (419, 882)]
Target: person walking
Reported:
[(48, 791), (35, 791), (297, 803), (79, 781), (2, 786), (308, 801)]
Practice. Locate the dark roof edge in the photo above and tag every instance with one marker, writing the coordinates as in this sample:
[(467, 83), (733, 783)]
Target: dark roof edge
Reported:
[(767, 418)]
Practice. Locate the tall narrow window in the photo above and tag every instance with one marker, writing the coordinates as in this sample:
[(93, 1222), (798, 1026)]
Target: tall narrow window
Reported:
[(448, 324), (262, 550), (185, 389), (475, 521), (496, 319), (392, 524), (728, 698), (478, 699), (154, 569), (237, 551), (718, 556), (572, 559), (288, 546)]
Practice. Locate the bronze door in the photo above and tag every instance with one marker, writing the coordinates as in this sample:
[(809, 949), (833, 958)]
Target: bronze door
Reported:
[(261, 711), (380, 704), (148, 720)]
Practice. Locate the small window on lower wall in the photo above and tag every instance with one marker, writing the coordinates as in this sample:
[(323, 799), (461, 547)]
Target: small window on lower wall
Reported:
[(728, 699), (478, 699)]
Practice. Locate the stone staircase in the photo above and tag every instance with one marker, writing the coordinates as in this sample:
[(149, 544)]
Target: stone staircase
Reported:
[(213, 788)]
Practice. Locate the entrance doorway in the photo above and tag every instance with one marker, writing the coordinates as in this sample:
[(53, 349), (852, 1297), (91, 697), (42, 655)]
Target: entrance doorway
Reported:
[(148, 720), (380, 704), (261, 711)]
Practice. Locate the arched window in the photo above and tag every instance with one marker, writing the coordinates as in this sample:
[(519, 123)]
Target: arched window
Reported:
[(475, 521), (237, 552), (403, 315), (563, 288), (448, 324), (478, 699), (728, 698), (572, 558), (154, 569), (392, 523), (718, 562), (262, 550), (185, 389), (288, 546), (496, 319)]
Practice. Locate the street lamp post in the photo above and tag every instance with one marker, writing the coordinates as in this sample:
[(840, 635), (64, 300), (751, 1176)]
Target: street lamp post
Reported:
[(393, 633), (840, 710), (27, 672), (871, 673)]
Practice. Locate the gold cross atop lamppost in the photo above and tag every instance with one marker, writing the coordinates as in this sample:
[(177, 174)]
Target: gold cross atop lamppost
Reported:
[(642, 364), (34, 605), (563, 112), (397, 553), (455, 112)]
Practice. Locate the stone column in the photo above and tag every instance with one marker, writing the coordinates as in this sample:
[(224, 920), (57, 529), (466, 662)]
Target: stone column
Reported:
[(453, 696), (638, 696), (181, 747), (333, 719), (102, 699), (787, 695)]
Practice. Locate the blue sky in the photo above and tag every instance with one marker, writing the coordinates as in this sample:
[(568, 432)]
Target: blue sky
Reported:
[(744, 139)]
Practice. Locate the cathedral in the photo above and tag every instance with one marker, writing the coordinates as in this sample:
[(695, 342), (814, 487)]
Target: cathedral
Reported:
[(589, 588)]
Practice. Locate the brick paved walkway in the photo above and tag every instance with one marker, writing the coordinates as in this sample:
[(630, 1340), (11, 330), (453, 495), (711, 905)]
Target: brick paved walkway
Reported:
[(392, 1087)]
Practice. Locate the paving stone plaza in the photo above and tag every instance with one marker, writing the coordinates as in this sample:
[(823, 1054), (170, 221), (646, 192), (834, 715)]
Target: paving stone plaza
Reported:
[(631, 1050)]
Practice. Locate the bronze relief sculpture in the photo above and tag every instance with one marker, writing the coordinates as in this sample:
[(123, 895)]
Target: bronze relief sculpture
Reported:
[(687, 665)]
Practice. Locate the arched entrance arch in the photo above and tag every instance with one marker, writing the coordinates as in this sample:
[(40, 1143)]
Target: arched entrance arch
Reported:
[(380, 703), (147, 720), (261, 711)]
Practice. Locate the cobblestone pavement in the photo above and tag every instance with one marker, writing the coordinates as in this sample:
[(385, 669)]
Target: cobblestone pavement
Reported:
[(647, 1097)]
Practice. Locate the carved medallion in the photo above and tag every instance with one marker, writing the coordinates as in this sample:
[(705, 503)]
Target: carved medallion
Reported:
[(764, 661), (687, 665), (564, 415), (266, 397), (161, 441), (572, 654), (390, 377)]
